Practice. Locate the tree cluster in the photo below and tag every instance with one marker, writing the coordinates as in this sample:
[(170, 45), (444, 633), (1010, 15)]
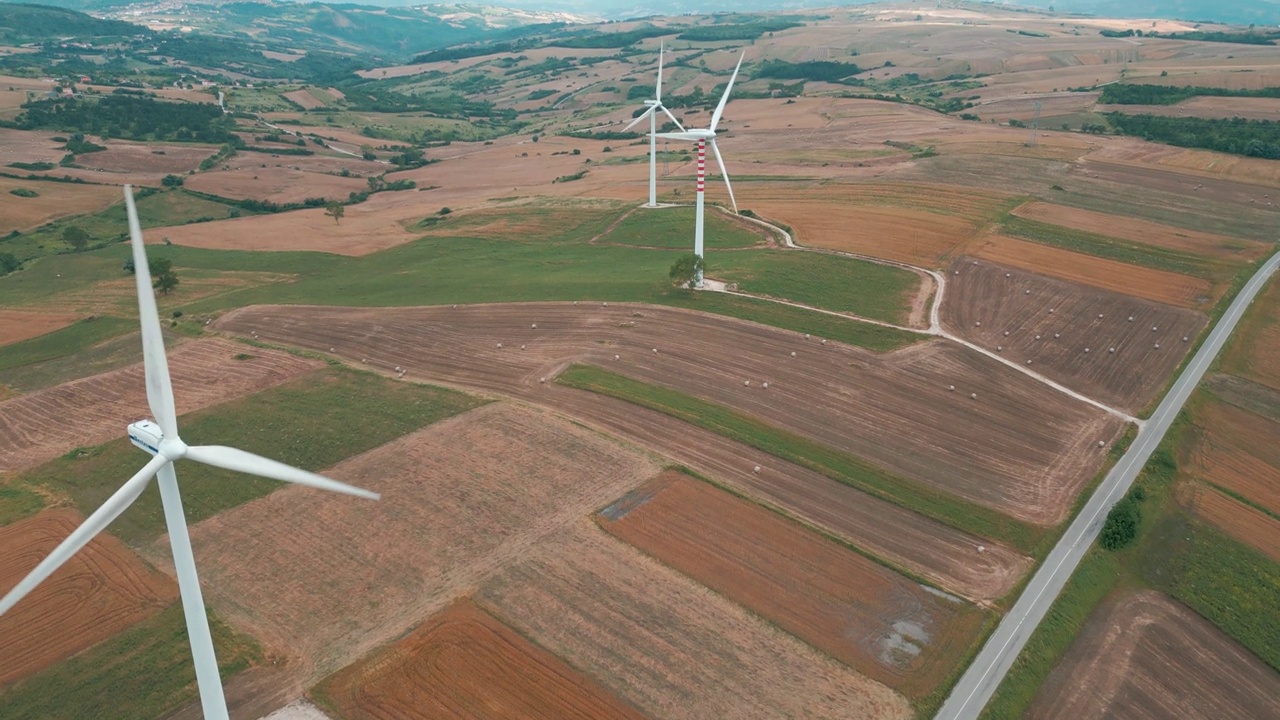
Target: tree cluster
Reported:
[(135, 118), (1121, 527), (1238, 136)]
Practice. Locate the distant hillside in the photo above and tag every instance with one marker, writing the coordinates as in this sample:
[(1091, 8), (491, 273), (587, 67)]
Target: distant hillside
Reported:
[(21, 23), (1243, 12)]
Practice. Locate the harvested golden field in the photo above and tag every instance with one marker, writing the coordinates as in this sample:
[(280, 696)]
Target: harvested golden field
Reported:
[(1254, 352), (304, 99), (1246, 524), (1110, 346), (34, 427), (463, 663), (102, 590), (666, 644), (276, 184), (461, 499), (1144, 656), (1157, 285), (29, 146), (155, 159), (1139, 231), (16, 325), (1207, 107), (883, 625), (1239, 451), (54, 200)]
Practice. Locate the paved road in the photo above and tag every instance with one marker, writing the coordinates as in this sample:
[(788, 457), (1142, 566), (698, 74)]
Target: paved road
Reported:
[(982, 678)]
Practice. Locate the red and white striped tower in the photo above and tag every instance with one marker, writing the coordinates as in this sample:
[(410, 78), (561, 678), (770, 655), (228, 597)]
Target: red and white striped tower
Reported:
[(697, 222)]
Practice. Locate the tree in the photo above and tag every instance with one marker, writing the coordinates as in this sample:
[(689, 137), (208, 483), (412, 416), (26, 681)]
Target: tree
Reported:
[(76, 237), (686, 270), (172, 181), (335, 210), (8, 263), (1121, 527), (129, 266), (163, 277)]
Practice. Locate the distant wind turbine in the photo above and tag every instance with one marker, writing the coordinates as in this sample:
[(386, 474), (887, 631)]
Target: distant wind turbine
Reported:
[(652, 113), (702, 137), (161, 440)]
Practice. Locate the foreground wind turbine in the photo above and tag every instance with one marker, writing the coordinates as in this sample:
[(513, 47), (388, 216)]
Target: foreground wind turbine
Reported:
[(702, 137), (161, 440), (652, 113)]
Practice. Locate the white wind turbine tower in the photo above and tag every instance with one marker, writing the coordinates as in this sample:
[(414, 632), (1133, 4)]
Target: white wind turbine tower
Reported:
[(702, 137), (161, 440), (652, 113)]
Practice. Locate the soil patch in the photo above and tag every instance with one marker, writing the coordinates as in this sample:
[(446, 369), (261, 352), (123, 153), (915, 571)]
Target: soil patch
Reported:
[(100, 591), (886, 627), (1237, 450), (1144, 656), (1049, 324), (276, 184), (463, 663), (34, 427), (1246, 524), (16, 326), (53, 200)]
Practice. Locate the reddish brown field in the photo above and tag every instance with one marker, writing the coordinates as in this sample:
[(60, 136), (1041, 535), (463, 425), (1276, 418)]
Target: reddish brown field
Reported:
[(1157, 285), (1238, 450), (893, 409), (666, 644), (1139, 231), (1144, 656), (463, 663), (54, 200), (1244, 523), (982, 305), (303, 99), (884, 626), (462, 498), (146, 158), (16, 326), (276, 184), (102, 590), (33, 427), (1254, 351), (29, 146)]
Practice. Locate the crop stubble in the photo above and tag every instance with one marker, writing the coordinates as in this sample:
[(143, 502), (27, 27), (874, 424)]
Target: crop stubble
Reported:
[(463, 663), (102, 590), (888, 628), (34, 428), (1238, 450)]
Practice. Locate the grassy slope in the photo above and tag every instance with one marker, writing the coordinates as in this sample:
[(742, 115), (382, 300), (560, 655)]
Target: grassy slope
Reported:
[(312, 422), (69, 340), (673, 228), (145, 671), (837, 465)]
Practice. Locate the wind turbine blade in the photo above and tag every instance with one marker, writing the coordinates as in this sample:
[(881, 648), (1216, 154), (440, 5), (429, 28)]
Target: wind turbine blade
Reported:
[(94, 524), (715, 118), (673, 117), (640, 117), (657, 95), (230, 458), (691, 137), (716, 151), (159, 389)]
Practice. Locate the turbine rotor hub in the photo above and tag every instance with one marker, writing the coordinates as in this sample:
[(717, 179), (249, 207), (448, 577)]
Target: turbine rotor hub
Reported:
[(173, 448)]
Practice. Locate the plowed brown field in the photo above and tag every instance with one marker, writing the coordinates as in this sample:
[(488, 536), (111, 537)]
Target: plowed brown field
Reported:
[(122, 156), (893, 409), (54, 200), (1240, 451), (34, 427), (461, 498), (1246, 524), (1254, 352), (102, 590), (668, 645), (1146, 657), (464, 663), (16, 326), (276, 184), (1157, 285), (1140, 231), (881, 624), (982, 305)]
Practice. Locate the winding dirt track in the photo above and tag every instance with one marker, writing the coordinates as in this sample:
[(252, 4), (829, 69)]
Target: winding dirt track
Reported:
[(34, 427), (102, 590)]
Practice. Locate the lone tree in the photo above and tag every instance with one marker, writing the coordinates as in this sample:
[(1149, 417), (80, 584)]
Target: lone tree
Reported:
[(163, 278), (1121, 527), (335, 210), (172, 181), (686, 270), (76, 237)]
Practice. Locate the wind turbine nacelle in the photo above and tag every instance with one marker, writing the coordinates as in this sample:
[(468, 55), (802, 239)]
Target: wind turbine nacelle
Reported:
[(146, 435), (651, 102)]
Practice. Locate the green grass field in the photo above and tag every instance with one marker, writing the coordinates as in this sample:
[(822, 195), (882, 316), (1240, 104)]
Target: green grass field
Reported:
[(110, 354), (312, 422), (70, 340), (17, 503), (143, 672), (673, 228), (837, 465)]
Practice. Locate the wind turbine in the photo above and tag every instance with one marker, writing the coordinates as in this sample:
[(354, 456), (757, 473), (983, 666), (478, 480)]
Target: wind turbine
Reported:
[(161, 440), (652, 113), (702, 137)]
